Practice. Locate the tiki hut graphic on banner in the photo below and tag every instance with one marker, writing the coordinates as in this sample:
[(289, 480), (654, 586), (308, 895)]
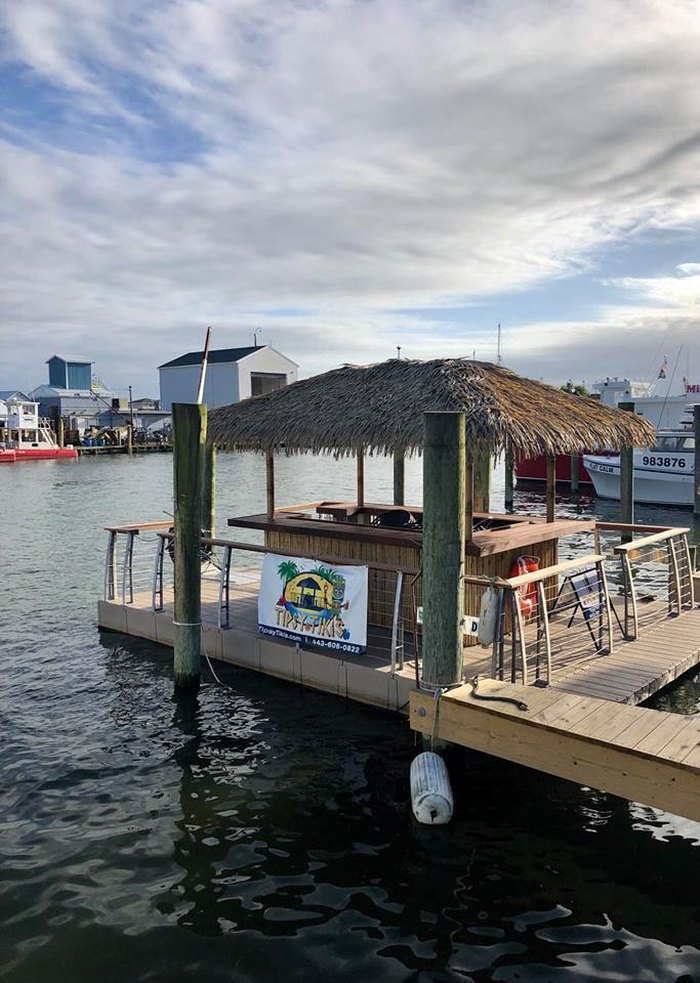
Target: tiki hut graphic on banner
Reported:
[(313, 603)]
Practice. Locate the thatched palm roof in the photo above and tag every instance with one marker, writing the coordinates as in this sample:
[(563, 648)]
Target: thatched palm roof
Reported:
[(380, 408)]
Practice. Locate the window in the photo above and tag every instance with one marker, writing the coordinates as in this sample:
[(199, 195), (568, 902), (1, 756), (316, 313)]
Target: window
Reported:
[(266, 382)]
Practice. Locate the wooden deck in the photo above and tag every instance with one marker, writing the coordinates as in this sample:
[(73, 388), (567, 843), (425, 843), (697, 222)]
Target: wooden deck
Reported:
[(631, 674), (645, 755)]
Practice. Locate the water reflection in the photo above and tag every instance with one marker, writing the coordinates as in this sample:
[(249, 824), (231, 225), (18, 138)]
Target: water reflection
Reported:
[(263, 831)]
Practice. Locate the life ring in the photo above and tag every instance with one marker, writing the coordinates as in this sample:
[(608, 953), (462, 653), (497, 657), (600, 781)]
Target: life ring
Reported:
[(525, 593)]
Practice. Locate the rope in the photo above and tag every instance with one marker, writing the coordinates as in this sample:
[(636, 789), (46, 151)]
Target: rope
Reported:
[(498, 699), (436, 697)]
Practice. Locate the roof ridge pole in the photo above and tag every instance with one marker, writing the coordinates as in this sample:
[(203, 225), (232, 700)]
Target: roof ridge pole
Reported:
[(444, 469)]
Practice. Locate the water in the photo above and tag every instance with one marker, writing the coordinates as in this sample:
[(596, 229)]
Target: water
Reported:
[(264, 832)]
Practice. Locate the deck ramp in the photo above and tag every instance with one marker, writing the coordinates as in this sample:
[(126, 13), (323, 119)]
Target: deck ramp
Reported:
[(635, 670)]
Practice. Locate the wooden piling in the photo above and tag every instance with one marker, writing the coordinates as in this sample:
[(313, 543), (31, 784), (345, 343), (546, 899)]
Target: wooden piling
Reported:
[(444, 469), (129, 440), (399, 480), (482, 479), (189, 437), (551, 463), (360, 476), (270, 482), (61, 436), (509, 483), (696, 496), (209, 492), (574, 483), (627, 478)]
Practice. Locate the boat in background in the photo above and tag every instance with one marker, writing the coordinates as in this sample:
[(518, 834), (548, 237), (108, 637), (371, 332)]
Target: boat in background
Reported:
[(666, 412), (663, 474), (26, 437)]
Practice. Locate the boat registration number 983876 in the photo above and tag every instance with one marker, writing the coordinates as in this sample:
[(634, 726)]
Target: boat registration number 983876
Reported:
[(651, 460)]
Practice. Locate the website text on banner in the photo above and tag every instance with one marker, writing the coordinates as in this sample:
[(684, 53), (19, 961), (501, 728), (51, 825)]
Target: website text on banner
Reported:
[(309, 602)]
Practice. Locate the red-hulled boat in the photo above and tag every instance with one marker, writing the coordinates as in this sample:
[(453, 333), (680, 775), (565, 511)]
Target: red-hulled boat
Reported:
[(25, 437)]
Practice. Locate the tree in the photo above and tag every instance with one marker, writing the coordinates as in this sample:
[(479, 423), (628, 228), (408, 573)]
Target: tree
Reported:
[(577, 388)]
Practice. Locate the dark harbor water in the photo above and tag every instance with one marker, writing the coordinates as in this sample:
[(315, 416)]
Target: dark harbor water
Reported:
[(262, 832)]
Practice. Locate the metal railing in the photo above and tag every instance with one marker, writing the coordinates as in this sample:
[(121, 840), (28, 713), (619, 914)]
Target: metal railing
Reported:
[(550, 618), (139, 570), (655, 568)]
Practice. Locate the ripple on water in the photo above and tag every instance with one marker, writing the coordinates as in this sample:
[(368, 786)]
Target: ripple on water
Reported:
[(263, 831)]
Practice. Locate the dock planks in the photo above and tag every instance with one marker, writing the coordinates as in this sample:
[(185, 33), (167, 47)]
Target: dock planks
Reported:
[(636, 670), (644, 755)]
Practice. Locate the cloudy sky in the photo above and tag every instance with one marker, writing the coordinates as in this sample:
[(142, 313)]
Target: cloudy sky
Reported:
[(347, 176)]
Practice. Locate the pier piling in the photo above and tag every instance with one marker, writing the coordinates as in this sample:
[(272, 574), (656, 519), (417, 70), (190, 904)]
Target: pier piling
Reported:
[(444, 468), (399, 479), (189, 436), (509, 479), (627, 478)]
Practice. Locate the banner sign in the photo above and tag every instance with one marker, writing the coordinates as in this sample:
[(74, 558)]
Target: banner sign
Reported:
[(310, 602)]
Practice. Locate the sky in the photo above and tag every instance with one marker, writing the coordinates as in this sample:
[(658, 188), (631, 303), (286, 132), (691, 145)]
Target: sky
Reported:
[(344, 177)]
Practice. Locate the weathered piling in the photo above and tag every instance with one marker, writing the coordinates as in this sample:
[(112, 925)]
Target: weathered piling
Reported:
[(551, 492), (574, 483), (129, 440), (509, 469), (444, 468), (189, 437), (270, 483), (209, 491), (399, 480), (482, 479), (627, 477)]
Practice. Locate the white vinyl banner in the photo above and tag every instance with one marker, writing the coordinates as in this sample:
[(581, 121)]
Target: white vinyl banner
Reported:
[(313, 603)]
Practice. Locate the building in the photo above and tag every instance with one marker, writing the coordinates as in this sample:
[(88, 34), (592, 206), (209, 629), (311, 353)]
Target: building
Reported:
[(83, 402), (232, 374)]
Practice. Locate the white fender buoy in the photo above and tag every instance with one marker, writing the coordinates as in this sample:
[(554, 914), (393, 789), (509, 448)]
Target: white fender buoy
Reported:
[(488, 616), (431, 794)]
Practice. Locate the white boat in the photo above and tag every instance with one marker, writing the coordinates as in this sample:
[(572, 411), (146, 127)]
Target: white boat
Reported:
[(663, 474)]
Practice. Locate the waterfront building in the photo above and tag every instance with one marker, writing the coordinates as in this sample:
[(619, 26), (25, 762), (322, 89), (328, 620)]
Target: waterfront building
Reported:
[(232, 374)]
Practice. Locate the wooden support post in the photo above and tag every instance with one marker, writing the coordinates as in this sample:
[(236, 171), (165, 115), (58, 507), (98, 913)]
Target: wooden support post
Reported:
[(189, 437), (551, 462), (209, 492), (129, 440), (509, 478), (270, 482), (468, 497), (360, 476), (61, 436), (482, 479), (696, 496), (627, 479), (399, 480), (444, 468), (574, 483)]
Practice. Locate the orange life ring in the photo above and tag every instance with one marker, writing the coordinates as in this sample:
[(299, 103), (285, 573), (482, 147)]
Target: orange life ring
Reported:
[(526, 593)]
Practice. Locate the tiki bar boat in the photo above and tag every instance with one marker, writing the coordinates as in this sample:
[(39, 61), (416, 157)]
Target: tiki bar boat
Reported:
[(448, 589)]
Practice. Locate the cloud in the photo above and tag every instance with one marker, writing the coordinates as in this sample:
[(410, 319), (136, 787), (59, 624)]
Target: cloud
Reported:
[(216, 161)]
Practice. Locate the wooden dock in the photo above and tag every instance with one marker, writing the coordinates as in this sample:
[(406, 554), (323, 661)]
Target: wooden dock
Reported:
[(644, 755)]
